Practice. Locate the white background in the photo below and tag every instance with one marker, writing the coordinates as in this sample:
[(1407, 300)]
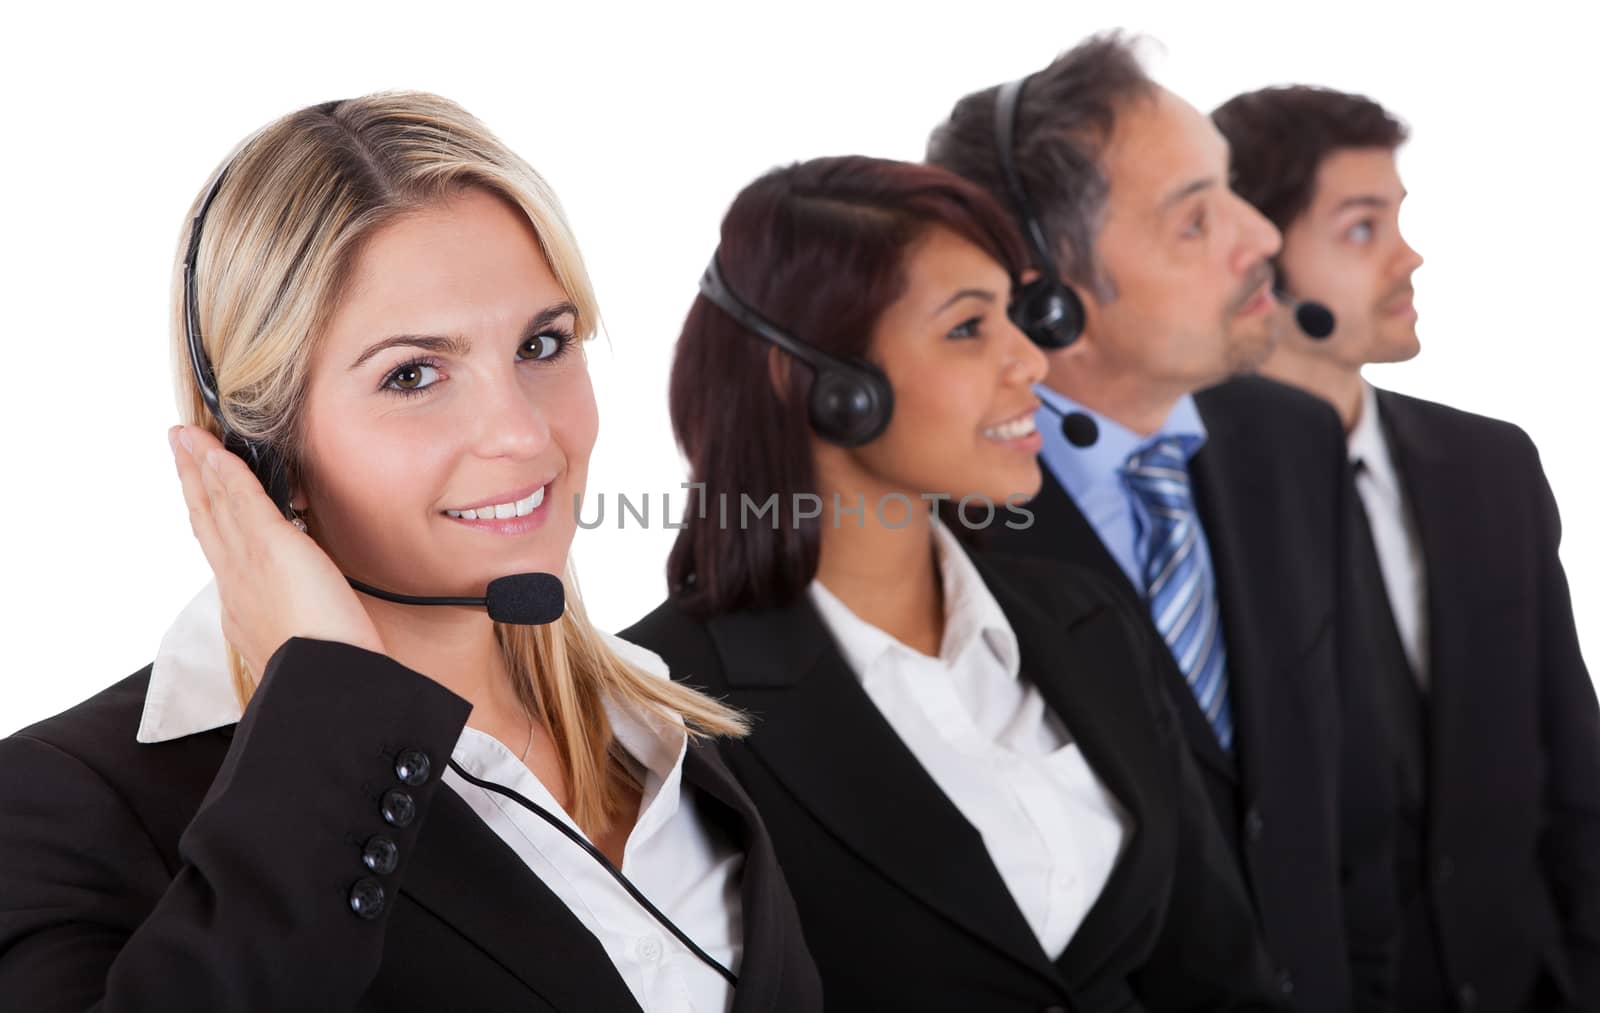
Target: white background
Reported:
[(647, 121)]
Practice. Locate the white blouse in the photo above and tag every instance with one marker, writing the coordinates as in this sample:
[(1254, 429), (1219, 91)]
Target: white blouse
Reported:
[(989, 742)]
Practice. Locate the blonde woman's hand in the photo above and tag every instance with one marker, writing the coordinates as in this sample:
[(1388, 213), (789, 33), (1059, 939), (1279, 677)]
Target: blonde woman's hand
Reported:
[(274, 581)]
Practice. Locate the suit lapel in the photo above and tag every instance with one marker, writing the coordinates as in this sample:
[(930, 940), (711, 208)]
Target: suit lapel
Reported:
[(1427, 482), (1429, 485), (1266, 631), (1060, 531), (765, 943), (1085, 668), (520, 924), (842, 760), (528, 930)]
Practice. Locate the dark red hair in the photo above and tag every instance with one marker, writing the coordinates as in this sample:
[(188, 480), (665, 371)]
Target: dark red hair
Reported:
[(818, 248)]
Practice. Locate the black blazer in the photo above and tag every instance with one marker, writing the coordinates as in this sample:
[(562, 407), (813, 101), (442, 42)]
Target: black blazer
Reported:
[(1305, 807), (1510, 878), (214, 872), (901, 904)]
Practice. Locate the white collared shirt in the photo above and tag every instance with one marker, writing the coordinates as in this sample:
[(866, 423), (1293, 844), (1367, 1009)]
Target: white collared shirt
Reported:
[(989, 742), (672, 856), (1394, 533)]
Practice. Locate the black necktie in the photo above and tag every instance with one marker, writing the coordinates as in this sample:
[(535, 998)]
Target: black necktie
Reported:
[(1401, 701)]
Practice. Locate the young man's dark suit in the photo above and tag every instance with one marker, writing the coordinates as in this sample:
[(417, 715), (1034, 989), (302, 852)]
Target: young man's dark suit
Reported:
[(1500, 854)]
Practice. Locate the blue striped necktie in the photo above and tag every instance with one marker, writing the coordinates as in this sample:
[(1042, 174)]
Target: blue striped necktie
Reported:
[(1178, 584)]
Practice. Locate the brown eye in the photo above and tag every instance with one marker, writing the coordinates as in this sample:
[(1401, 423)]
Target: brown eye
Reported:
[(411, 378), (543, 346)]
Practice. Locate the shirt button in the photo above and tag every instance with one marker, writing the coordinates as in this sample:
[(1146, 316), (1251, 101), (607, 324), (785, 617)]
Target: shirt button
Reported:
[(1467, 997), (380, 854), (648, 949), (412, 767), (1285, 982), (1254, 825), (366, 898), (398, 808)]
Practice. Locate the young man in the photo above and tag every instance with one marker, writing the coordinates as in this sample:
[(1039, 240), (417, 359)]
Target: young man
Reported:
[(1495, 728), (1225, 512)]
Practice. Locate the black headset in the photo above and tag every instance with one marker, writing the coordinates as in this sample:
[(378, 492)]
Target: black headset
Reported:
[(1045, 309), (850, 402), (269, 465)]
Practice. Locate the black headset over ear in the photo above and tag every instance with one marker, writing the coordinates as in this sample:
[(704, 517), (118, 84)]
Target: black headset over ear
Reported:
[(269, 465), (1045, 309), (851, 401)]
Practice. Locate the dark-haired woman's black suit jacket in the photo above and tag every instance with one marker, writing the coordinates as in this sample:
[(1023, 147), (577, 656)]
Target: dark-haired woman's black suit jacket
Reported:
[(902, 907), (213, 873)]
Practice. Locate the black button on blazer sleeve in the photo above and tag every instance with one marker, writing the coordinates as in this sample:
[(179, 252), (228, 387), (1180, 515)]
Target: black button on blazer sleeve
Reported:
[(271, 905)]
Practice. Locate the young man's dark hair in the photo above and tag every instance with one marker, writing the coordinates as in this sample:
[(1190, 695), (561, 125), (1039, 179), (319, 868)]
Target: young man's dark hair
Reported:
[(1280, 136), (1494, 728)]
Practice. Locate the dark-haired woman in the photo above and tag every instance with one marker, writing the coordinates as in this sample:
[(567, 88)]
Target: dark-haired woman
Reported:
[(973, 782)]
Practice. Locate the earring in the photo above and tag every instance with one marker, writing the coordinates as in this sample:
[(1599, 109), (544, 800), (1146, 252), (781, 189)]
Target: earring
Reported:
[(298, 521)]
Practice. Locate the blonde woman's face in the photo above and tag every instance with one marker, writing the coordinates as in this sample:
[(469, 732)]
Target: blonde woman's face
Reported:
[(449, 415)]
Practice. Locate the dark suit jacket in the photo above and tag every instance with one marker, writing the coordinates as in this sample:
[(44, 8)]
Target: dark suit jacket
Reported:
[(1511, 870), (901, 904), (213, 873), (1304, 806)]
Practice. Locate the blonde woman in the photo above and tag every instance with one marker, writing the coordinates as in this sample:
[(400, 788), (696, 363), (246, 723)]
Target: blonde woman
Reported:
[(316, 799)]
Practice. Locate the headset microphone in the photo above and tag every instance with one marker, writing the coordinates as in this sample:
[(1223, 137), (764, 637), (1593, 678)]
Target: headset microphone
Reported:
[(523, 599), (1314, 319), (1079, 428)]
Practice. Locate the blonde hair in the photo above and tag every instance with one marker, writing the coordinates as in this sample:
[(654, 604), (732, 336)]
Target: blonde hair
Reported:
[(277, 249)]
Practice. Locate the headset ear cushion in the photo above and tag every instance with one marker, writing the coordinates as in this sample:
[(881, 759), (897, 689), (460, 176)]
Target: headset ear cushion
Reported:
[(851, 406), (269, 467), (1048, 312)]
